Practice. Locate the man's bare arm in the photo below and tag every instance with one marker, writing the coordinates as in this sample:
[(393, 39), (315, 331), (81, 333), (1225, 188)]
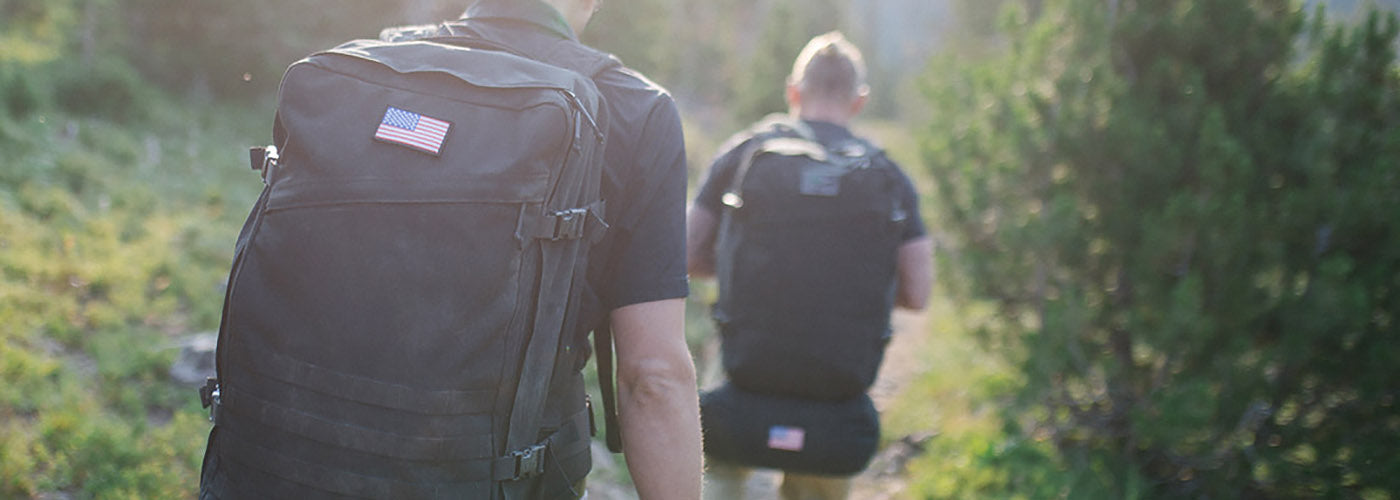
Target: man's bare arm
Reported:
[(658, 403), (700, 228), (914, 264)]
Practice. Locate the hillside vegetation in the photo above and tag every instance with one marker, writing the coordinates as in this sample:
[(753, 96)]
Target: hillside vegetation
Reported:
[(115, 236)]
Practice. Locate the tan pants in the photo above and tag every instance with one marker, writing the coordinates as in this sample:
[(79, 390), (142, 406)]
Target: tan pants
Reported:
[(724, 481)]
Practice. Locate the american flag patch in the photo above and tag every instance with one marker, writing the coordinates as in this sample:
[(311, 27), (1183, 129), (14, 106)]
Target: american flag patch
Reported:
[(786, 438), (416, 131)]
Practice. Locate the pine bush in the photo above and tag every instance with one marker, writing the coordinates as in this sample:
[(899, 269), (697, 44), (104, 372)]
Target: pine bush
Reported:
[(1185, 210)]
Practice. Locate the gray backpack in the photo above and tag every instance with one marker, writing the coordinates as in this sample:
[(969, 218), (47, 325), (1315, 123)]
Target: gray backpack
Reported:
[(399, 293)]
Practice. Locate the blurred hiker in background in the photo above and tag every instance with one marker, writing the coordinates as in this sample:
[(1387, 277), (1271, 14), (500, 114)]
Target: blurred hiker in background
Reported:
[(814, 236)]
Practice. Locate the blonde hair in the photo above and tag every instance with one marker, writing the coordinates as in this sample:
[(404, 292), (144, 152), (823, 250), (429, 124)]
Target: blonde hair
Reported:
[(829, 67)]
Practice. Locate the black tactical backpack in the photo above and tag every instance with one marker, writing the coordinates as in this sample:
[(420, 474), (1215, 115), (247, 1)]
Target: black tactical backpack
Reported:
[(397, 300), (805, 259)]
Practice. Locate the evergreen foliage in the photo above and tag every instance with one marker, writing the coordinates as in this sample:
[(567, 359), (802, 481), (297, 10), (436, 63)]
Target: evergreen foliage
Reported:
[(18, 92), (106, 88), (1184, 210)]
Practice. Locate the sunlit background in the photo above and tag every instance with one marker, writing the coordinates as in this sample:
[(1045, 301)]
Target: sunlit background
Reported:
[(1168, 251)]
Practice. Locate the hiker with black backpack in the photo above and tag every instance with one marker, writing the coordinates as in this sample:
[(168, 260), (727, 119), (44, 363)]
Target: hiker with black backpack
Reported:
[(814, 235), (449, 211)]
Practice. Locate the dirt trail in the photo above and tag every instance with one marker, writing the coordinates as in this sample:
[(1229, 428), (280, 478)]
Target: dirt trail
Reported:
[(903, 361)]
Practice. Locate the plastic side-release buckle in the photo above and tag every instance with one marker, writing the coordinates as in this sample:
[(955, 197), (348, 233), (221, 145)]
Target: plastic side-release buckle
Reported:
[(210, 398), (588, 406), (568, 224), (263, 159), (732, 200), (522, 464)]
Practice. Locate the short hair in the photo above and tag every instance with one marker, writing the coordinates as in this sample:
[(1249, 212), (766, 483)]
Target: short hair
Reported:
[(829, 67)]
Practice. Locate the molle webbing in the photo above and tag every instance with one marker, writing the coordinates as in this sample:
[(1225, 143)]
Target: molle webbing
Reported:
[(243, 442)]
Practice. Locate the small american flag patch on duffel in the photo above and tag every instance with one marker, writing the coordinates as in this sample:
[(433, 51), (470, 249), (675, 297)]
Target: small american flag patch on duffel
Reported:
[(413, 130), (786, 438)]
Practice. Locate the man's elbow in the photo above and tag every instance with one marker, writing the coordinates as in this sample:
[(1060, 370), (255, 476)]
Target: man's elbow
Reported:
[(657, 381), (913, 298)]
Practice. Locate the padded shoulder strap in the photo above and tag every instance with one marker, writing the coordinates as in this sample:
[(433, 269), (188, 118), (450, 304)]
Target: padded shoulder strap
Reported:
[(784, 136), (591, 63), (581, 58), (782, 125), (559, 268), (779, 135), (564, 53)]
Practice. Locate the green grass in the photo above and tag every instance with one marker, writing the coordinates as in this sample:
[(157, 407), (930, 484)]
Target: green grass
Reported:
[(114, 241)]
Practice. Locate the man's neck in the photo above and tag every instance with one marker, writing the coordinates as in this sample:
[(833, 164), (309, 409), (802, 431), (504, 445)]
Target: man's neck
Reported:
[(817, 114)]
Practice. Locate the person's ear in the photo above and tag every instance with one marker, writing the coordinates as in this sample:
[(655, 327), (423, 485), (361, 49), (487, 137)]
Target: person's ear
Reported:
[(862, 97), (794, 97)]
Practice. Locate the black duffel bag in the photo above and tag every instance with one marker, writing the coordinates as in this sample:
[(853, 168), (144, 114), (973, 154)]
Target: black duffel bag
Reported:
[(836, 438)]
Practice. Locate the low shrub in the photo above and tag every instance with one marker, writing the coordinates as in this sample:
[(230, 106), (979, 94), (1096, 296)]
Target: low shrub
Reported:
[(106, 88), (19, 93)]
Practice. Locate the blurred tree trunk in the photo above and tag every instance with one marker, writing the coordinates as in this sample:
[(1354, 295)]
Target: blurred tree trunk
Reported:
[(89, 31)]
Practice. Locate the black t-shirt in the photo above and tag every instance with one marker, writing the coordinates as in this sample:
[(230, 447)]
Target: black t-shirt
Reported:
[(722, 170)]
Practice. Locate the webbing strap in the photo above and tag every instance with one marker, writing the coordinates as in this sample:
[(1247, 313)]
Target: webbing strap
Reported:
[(556, 276), (781, 142), (239, 446), (564, 53), (734, 196), (560, 259), (569, 440), (366, 390), (603, 350), (580, 58), (574, 437), (404, 446), (775, 126), (586, 222)]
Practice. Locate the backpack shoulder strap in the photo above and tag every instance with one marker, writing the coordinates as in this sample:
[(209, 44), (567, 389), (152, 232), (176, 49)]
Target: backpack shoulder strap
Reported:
[(603, 358), (580, 58), (564, 53), (590, 63), (525, 452), (776, 135)]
